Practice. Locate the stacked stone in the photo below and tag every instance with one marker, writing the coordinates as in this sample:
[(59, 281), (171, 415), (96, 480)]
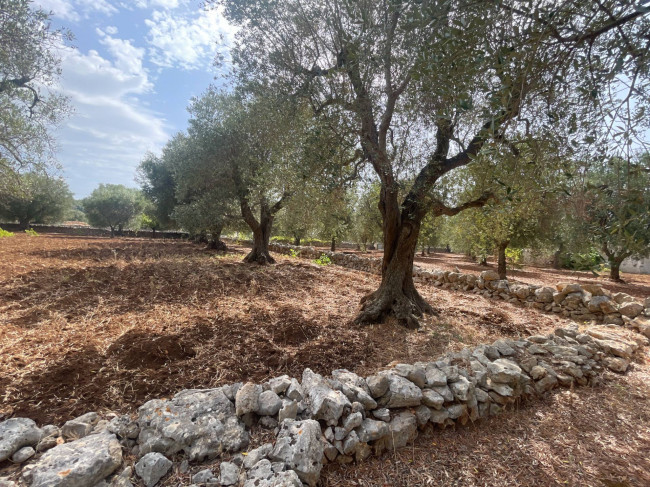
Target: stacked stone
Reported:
[(341, 418), (348, 260), (582, 302)]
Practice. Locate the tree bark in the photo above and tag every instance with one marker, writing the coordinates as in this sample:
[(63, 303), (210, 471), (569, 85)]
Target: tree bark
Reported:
[(333, 246), (615, 266), (557, 255), (397, 295), (296, 240), (112, 231), (501, 260), (261, 231), (261, 236), (23, 224), (615, 260), (215, 242)]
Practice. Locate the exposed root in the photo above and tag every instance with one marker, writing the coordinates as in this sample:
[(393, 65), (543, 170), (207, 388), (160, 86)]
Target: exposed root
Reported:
[(377, 306), (261, 257), (217, 245)]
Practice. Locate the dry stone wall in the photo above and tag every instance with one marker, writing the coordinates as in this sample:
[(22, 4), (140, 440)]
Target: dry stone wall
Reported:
[(584, 302), (316, 420)]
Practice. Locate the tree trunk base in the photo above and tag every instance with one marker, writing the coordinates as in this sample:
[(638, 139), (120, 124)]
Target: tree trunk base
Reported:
[(406, 307), (218, 245), (261, 257)]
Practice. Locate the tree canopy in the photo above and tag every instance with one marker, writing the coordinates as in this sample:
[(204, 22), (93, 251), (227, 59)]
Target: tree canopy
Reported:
[(428, 86), (34, 197), (617, 209), (113, 206), (29, 68)]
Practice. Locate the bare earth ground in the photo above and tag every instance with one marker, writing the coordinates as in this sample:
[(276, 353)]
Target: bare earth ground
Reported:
[(100, 324)]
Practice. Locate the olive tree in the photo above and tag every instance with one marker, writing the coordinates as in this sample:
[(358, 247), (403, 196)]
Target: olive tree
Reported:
[(366, 220), (113, 206), (29, 67), (34, 198), (426, 85), (617, 210)]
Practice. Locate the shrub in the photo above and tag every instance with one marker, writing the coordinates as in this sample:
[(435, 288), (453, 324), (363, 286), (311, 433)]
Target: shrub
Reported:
[(31, 232), (587, 261), (5, 233), (323, 260), (293, 253)]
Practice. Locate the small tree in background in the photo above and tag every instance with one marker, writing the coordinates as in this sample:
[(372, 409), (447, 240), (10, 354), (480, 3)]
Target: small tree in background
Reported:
[(366, 222), (34, 198), (431, 232), (617, 213), (113, 206), (158, 186), (76, 212)]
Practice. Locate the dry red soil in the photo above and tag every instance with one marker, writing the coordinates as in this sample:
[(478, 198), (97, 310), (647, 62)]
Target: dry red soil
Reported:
[(106, 324)]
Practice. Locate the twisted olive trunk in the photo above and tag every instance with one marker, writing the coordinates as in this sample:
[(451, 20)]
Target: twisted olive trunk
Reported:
[(396, 294)]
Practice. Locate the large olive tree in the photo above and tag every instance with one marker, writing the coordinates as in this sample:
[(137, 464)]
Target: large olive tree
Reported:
[(426, 85)]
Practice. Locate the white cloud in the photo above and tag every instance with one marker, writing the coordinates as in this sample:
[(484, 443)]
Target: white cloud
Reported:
[(128, 58), (75, 10), (111, 30), (189, 40), (166, 4), (111, 128), (64, 9)]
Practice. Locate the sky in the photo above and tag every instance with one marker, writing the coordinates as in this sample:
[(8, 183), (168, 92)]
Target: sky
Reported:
[(129, 73)]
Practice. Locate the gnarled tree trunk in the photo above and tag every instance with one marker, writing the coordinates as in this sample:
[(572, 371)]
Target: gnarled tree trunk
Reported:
[(615, 260), (397, 295), (23, 224), (261, 236), (215, 242), (261, 229)]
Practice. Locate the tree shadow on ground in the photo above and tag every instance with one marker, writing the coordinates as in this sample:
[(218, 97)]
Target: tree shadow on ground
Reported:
[(77, 292), (127, 249), (140, 365)]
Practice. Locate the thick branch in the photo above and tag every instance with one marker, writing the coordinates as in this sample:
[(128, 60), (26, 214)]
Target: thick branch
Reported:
[(579, 37), (247, 214), (281, 202), (439, 208), (14, 83)]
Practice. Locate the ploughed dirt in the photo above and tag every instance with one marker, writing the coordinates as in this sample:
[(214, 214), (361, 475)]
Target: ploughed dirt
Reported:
[(106, 324)]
